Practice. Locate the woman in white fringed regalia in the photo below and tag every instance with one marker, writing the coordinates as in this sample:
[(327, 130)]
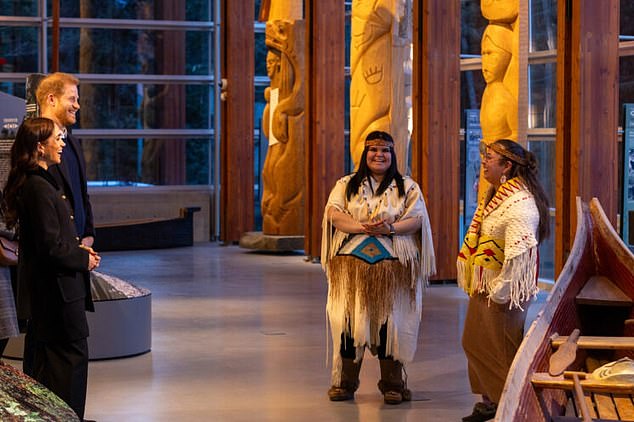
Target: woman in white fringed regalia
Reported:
[(377, 252), (497, 267)]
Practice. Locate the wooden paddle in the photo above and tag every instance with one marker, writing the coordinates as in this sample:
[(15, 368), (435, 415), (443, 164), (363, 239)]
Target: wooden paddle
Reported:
[(565, 355), (581, 399)]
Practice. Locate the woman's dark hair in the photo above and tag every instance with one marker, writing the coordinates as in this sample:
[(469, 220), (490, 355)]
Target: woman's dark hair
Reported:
[(363, 171), (24, 158), (528, 172)]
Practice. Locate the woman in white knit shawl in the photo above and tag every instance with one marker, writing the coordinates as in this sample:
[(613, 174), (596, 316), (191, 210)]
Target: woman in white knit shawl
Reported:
[(497, 267), (377, 253)]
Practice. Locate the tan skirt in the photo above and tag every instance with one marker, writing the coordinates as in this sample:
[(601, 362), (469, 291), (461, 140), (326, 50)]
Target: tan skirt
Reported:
[(492, 334)]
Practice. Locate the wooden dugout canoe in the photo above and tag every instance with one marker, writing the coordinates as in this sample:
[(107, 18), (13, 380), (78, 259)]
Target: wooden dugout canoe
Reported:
[(600, 314)]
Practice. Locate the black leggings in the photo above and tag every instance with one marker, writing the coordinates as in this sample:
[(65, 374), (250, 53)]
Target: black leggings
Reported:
[(348, 350)]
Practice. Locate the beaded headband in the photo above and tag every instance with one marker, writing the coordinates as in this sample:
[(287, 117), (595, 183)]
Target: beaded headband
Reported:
[(378, 143), (379, 139), (503, 152)]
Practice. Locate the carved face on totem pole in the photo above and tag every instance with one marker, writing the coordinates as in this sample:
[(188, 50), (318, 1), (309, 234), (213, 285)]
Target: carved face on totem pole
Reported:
[(494, 61), (496, 52), (273, 62)]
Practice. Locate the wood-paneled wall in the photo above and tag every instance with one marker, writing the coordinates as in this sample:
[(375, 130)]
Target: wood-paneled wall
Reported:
[(325, 111), (587, 113), (236, 166), (435, 141)]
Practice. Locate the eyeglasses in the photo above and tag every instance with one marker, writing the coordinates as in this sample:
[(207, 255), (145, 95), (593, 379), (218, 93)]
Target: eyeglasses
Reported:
[(483, 152), (485, 155), (483, 148)]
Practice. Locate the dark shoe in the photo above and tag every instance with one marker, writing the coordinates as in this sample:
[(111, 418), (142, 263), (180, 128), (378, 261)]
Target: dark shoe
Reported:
[(481, 412), (349, 381), (341, 393), (392, 386)]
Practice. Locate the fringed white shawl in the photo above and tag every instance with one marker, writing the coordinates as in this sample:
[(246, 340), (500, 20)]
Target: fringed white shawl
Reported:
[(499, 255), (415, 252)]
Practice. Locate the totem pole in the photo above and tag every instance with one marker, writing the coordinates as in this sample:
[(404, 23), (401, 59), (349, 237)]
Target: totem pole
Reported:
[(380, 65), (498, 113), (283, 119)]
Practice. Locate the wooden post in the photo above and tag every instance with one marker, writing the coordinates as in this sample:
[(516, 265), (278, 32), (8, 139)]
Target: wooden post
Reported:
[(55, 38), (171, 101), (435, 141), (587, 113), (236, 193), (324, 111)]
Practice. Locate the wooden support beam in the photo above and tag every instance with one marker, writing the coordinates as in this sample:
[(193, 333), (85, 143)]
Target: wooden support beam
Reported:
[(587, 113), (324, 111), (236, 166), (435, 141), (171, 154)]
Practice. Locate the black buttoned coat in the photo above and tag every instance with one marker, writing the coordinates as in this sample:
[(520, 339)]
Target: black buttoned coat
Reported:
[(53, 290), (61, 175)]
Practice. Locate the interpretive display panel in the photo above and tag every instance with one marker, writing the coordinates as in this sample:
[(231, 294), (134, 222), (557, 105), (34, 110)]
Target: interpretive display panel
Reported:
[(473, 136)]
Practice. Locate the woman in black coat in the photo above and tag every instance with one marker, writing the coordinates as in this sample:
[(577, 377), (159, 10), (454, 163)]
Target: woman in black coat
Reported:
[(53, 293)]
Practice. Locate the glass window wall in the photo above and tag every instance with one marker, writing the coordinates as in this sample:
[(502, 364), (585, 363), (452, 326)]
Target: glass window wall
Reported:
[(129, 51), (146, 161), (146, 70), (18, 49), (189, 10)]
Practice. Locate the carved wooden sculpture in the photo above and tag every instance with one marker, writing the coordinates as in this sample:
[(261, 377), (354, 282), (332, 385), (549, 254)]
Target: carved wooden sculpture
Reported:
[(283, 125), (501, 71), (380, 64), (507, 12), (498, 114)]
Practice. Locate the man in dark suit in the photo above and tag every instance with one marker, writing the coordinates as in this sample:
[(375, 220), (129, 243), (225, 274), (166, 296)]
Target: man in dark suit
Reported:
[(58, 99)]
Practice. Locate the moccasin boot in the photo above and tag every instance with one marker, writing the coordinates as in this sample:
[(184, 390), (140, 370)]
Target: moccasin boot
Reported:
[(481, 412), (349, 381), (392, 386)]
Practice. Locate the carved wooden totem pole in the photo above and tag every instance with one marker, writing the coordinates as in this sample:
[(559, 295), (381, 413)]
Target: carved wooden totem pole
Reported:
[(380, 64), (498, 113), (502, 67), (283, 120)]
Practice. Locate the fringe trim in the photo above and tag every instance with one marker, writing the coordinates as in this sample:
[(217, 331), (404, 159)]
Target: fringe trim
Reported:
[(417, 252), (484, 279), (428, 258), (462, 273), (373, 286), (520, 273), (474, 278), (331, 238)]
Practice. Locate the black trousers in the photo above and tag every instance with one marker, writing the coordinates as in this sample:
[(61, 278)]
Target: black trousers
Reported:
[(62, 367), (348, 351), (29, 352)]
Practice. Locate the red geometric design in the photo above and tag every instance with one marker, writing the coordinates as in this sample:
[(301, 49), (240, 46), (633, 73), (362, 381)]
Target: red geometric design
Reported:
[(489, 252), (507, 189)]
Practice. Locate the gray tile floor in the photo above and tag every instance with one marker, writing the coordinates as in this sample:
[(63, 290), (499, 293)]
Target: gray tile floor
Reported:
[(241, 336)]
